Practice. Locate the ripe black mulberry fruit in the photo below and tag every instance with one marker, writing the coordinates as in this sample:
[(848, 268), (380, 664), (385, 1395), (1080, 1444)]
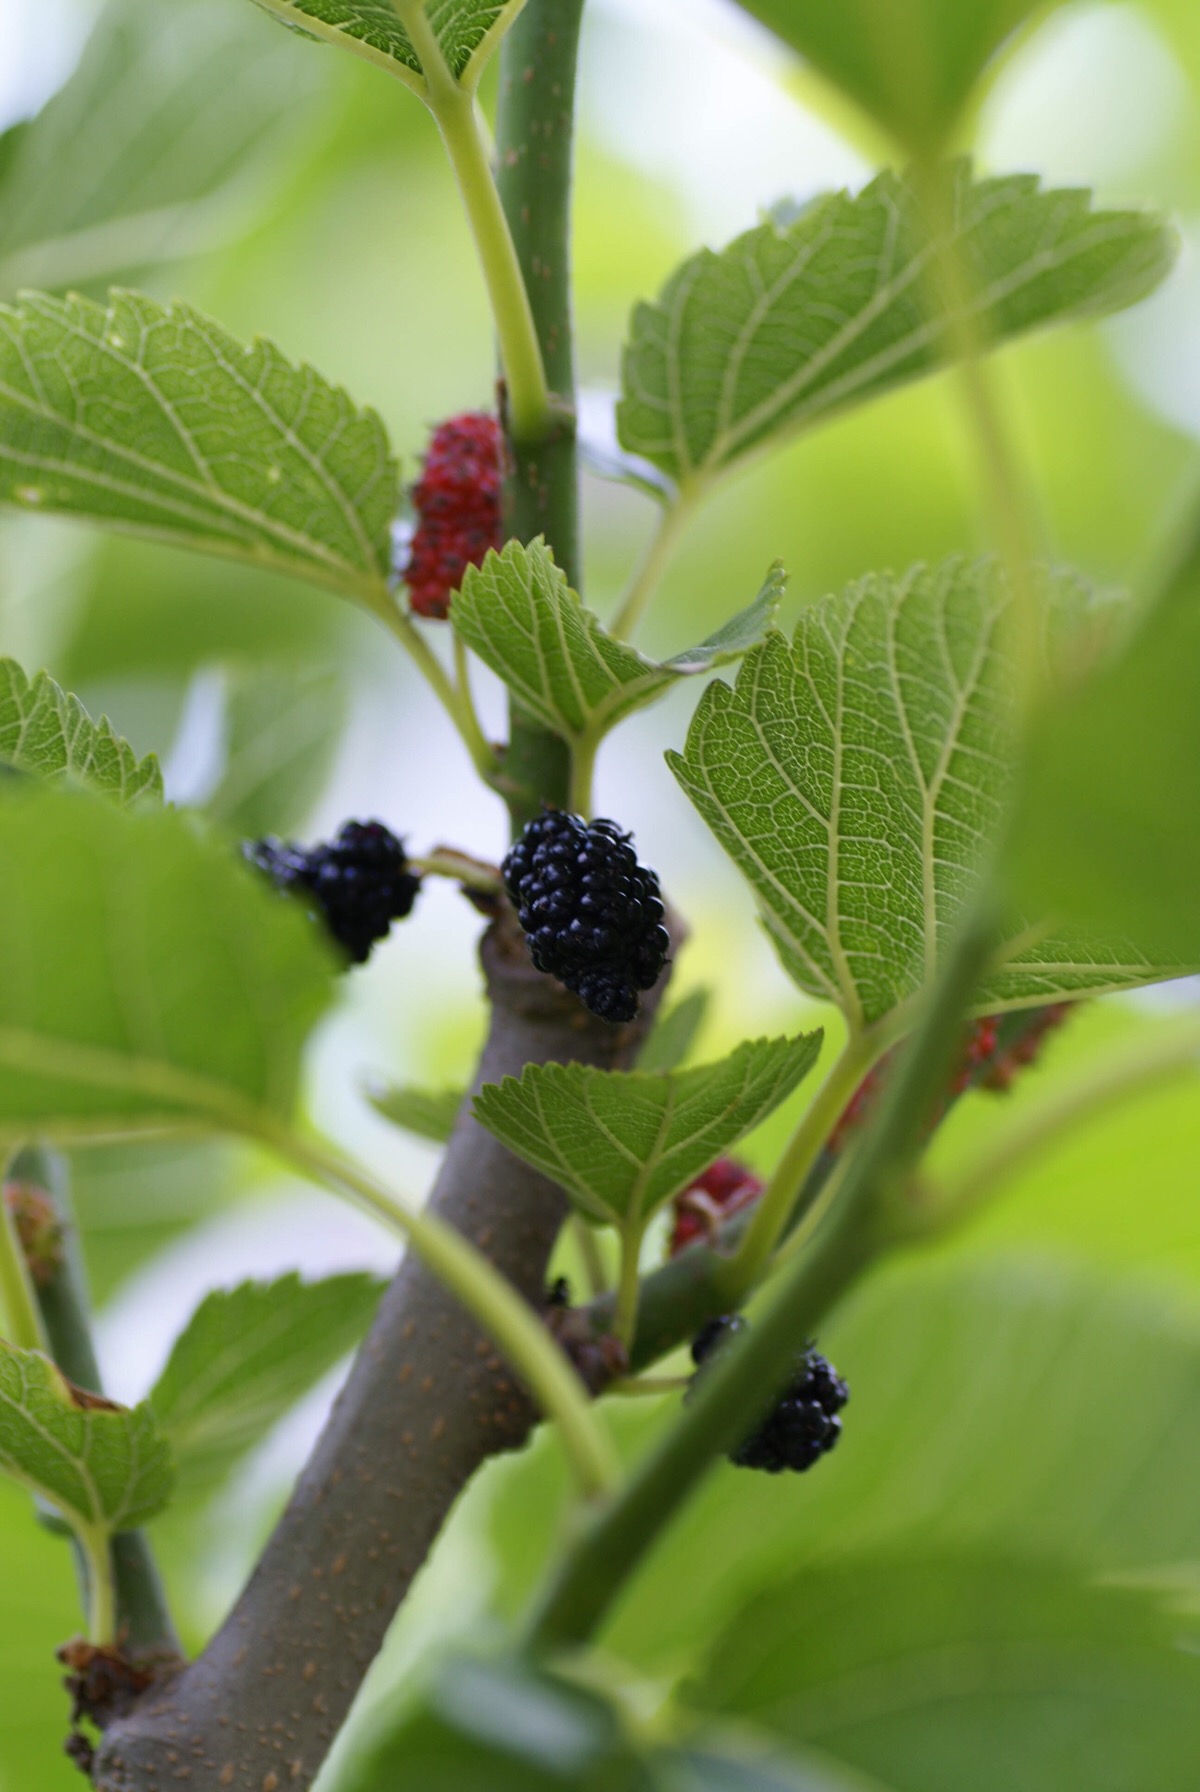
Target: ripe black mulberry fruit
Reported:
[(591, 915), (457, 501), (359, 883), (802, 1426)]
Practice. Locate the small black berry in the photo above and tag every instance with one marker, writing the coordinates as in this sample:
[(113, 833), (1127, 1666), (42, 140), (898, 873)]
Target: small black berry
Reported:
[(803, 1424), (591, 915), (360, 882)]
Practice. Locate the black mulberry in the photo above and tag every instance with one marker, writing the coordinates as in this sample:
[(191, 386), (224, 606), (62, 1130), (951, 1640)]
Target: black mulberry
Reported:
[(803, 1425), (592, 916), (360, 882)]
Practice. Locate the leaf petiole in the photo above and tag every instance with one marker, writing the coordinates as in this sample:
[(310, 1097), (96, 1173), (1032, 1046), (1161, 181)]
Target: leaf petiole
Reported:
[(485, 1293), (673, 519)]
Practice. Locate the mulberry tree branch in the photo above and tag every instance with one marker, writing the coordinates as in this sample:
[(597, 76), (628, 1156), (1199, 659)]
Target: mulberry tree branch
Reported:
[(427, 1401)]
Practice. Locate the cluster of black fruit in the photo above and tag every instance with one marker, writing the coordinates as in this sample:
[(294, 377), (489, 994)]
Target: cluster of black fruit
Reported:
[(803, 1425), (592, 916), (359, 882)]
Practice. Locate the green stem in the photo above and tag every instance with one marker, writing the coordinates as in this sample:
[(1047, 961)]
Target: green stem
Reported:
[(591, 1258), (143, 1622), (96, 1545), (534, 132), (643, 1386), (478, 745), (774, 1211), (456, 703), (1145, 1064), (672, 520), (583, 766), (18, 1303), (529, 410), (466, 1272), (459, 868), (628, 1288), (1006, 502), (743, 1378)]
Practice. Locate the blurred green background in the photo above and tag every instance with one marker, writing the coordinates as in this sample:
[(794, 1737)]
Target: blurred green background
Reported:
[(1031, 1397)]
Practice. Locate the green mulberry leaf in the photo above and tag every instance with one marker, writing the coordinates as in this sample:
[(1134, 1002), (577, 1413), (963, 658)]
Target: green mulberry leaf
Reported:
[(47, 732), (621, 1143), (797, 320), (467, 32)]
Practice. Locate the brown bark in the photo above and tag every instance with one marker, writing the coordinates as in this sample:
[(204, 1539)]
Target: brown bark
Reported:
[(427, 1401)]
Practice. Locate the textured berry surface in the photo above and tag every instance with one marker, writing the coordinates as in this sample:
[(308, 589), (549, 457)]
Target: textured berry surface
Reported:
[(591, 915), (802, 1426), (360, 882), (457, 500), (724, 1188)]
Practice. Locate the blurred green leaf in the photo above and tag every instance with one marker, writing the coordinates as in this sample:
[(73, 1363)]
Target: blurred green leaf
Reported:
[(104, 1467), (623, 1142), (1109, 830), (46, 731), (246, 1355), (154, 149), (502, 1726), (675, 1032), (792, 322), (1013, 1409), (147, 978), (912, 65), (467, 32), (934, 1673), (153, 419), (282, 729), (520, 616), (429, 1113), (858, 776)]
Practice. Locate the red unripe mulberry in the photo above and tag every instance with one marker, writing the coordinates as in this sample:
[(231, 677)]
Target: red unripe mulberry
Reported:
[(457, 500), (724, 1188)]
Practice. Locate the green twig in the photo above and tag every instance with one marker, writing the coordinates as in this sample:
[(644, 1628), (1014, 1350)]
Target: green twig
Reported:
[(744, 1378), (485, 1293), (529, 409), (774, 1211)]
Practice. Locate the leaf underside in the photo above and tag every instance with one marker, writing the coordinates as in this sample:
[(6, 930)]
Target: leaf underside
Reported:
[(47, 732), (464, 30), (248, 1354), (858, 776), (795, 321), (427, 1113), (151, 419), (518, 613), (623, 1142), (103, 1469), (148, 979)]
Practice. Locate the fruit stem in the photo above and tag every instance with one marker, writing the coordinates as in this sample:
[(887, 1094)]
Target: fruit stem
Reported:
[(486, 1294), (530, 413), (583, 766)]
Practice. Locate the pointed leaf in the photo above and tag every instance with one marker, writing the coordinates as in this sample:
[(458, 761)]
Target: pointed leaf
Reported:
[(912, 65), (46, 731), (520, 616), (150, 418), (282, 728), (623, 1142), (468, 31), (795, 321), (429, 1113), (155, 148), (246, 1355), (858, 776), (148, 978), (901, 1665), (675, 1033), (104, 1467)]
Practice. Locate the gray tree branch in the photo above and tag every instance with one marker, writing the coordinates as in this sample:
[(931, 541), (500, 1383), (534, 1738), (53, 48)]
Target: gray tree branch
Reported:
[(427, 1401)]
